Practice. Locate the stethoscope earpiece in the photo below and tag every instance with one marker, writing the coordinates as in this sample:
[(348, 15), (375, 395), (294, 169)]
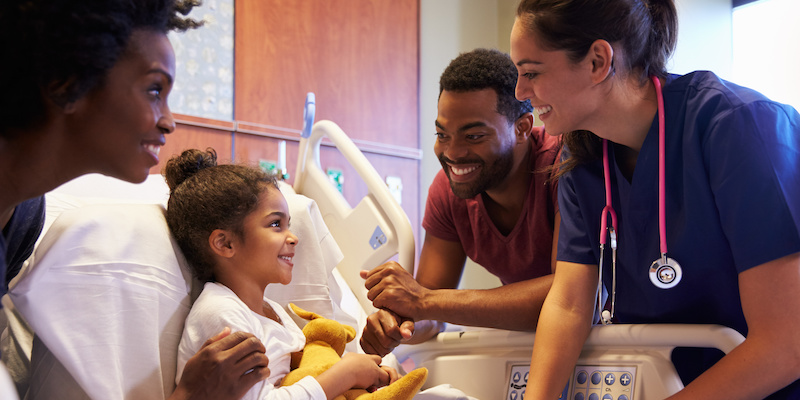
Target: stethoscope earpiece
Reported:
[(606, 317)]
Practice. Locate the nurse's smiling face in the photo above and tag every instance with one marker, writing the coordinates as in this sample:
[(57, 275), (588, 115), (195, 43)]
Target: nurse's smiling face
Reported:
[(474, 142), (555, 85), (118, 128)]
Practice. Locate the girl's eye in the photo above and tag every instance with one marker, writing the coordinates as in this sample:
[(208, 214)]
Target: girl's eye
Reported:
[(275, 224), (530, 75)]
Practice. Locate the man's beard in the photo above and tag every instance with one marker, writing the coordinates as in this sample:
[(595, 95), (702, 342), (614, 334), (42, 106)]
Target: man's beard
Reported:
[(490, 175)]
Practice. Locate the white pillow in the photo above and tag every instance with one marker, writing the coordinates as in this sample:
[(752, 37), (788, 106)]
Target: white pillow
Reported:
[(108, 295)]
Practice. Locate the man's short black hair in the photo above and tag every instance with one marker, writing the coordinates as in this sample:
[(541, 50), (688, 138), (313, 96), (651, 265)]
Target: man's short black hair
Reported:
[(483, 69)]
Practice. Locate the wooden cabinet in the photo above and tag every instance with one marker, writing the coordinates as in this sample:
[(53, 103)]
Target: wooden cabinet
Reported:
[(359, 57)]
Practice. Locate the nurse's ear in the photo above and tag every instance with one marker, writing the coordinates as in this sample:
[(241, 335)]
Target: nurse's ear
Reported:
[(522, 127), (601, 55)]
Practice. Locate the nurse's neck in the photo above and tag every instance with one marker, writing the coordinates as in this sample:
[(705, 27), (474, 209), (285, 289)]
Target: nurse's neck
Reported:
[(632, 110)]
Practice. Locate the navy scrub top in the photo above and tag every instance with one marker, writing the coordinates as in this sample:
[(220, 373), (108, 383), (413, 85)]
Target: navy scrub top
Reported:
[(732, 203)]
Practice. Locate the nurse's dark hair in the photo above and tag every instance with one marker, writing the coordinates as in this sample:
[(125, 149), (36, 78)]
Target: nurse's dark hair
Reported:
[(486, 69), (61, 49), (204, 196), (643, 33)]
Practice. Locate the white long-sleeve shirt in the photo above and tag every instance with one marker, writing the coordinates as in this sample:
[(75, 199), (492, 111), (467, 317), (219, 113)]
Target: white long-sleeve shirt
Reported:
[(218, 307)]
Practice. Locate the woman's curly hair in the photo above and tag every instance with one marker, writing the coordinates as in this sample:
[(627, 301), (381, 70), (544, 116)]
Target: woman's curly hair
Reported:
[(61, 49)]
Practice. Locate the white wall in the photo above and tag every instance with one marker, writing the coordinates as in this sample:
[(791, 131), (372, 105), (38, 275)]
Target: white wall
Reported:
[(762, 59), (449, 27), (704, 37)]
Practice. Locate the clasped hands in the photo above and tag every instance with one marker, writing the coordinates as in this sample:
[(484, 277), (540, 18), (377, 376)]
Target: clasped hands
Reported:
[(399, 299)]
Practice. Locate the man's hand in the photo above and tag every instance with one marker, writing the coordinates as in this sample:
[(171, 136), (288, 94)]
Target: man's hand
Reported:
[(391, 287), (384, 331), (226, 367)]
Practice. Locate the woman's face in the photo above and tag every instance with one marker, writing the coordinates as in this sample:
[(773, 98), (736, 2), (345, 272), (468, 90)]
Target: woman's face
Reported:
[(118, 128), (266, 248), (557, 87)]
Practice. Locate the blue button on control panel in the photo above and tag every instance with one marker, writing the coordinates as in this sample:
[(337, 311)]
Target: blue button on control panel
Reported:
[(603, 382), (589, 382)]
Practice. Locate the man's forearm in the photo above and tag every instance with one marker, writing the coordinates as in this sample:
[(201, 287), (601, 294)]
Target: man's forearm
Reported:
[(514, 307)]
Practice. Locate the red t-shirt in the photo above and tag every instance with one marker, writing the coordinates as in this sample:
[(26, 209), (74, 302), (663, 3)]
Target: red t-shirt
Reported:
[(525, 252)]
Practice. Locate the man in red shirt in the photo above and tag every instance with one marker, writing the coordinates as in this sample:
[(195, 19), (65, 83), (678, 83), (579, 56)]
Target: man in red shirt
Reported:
[(494, 201)]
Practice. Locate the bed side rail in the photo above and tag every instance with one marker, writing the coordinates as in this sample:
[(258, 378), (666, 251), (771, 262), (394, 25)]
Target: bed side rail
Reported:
[(493, 364), (368, 234)]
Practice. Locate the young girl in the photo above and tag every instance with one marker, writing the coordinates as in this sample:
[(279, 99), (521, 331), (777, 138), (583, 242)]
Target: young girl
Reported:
[(232, 224), (711, 235)]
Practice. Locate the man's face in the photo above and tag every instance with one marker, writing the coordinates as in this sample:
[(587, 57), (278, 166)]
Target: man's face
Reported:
[(474, 142)]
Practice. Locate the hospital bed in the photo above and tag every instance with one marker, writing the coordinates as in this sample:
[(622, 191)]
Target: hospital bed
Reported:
[(107, 291)]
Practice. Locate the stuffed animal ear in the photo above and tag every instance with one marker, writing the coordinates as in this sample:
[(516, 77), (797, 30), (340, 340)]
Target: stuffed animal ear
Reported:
[(308, 315), (351, 332)]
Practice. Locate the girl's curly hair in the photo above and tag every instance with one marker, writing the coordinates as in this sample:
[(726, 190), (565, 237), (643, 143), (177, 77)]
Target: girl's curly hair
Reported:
[(205, 196)]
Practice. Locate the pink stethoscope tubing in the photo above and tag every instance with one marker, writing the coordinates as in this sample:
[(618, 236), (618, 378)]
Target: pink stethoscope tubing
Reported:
[(665, 272)]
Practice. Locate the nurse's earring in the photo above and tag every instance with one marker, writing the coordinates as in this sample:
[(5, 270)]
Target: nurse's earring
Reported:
[(665, 273)]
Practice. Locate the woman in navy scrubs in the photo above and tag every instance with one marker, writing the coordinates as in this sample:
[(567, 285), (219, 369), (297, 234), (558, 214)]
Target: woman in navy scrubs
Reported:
[(728, 250)]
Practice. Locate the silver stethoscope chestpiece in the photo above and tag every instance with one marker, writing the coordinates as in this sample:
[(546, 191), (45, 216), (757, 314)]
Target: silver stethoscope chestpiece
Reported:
[(665, 273)]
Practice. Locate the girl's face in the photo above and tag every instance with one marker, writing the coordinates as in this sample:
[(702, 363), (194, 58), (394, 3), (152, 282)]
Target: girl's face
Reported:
[(118, 128), (266, 249), (557, 87)]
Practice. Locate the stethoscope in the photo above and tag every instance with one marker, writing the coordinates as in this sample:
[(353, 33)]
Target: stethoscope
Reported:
[(664, 272)]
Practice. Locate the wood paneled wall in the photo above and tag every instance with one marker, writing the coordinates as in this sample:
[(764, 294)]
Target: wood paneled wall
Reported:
[(359, 57)]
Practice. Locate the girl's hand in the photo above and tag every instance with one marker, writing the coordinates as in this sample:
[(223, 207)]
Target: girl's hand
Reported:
[(393, 375), (365, 370)]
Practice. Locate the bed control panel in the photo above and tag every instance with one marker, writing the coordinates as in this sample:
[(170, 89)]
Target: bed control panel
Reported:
[(589, 382), (602, 382), (517, 382)]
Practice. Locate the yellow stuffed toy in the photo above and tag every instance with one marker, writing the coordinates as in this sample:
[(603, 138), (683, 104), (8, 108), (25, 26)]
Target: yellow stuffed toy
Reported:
[(325, 341)]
